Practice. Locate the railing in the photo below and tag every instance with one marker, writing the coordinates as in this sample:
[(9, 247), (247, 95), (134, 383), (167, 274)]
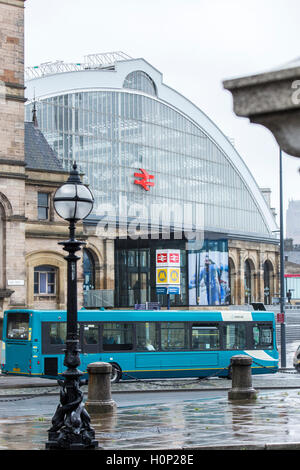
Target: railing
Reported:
[(98, 298), (91, 61)]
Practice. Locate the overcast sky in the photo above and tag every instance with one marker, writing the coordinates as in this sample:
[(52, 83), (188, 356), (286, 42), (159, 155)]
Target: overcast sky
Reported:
[(196, 44)]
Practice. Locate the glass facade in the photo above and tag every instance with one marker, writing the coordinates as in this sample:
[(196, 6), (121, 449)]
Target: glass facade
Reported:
[(112, 134), (136, 272), (146, 160)]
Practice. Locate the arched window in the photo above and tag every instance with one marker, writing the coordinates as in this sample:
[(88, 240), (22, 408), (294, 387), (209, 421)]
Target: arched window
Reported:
[(88, 270), (268, 282), (139, 80), (248, 282), (44, 280)]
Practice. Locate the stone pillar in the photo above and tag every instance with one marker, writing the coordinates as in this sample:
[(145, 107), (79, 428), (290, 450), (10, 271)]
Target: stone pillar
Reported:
[(99, 388), (12, 160), (241, 379)]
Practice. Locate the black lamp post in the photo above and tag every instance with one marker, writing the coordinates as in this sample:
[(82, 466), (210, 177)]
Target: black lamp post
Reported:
[(71, 422)]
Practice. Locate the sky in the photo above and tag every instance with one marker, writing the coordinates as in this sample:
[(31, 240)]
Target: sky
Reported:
[(196, 44)]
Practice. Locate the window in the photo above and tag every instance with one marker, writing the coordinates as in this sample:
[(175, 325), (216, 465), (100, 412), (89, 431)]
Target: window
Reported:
[(43, 206), (205, 337), (146, 337), (173, 336), (117, 336), (88, 270), (58, 333), (44, 280), (17, 325), (54, 335), (262, 336), (90, 334), (235, 336), (139, 80)]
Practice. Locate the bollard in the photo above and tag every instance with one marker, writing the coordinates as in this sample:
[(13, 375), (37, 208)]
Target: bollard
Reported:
[(99, 389), (241, 379)]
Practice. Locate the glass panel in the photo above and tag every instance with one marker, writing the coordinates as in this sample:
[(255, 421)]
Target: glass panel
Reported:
[(146, 337), (117, 336), (90, 334), (173, 336), (58, 333), (17, 325), (262, 337), (51, 288), (235, 336), (42, 213), (205, 337), (43, 199), (43, 283)]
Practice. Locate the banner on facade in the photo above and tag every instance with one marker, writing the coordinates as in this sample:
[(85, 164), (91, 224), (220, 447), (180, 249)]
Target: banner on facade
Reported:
[(208, 274)]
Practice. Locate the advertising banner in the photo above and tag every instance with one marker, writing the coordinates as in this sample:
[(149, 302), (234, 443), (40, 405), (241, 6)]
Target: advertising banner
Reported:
[(208, 274)]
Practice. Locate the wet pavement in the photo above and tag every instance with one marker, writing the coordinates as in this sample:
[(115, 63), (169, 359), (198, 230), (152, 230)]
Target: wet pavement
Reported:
[(181, 414), (189, 415)]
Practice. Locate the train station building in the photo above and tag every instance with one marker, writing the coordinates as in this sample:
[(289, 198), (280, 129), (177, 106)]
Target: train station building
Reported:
[(164, 177), (166, 181)]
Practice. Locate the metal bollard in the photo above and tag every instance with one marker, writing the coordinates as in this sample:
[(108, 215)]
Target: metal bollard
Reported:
[(241, 379), (99, 389)]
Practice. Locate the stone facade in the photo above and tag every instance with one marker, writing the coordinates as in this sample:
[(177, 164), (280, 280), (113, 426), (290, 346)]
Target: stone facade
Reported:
[(12, 165), (264, 263)]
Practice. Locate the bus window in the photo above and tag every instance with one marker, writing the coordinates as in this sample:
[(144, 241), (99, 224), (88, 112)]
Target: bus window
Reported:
[(17, 325), (58, 333), (262, 337), (90, 334), (117, 336), (173, 336), (235, 336), (205, 337), (146, 337)]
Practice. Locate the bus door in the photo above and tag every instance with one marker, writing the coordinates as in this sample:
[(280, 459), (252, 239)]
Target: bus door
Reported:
[(18, 343)]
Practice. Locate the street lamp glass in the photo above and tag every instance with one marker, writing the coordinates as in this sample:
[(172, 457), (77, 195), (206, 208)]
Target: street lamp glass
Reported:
[(73, 201)]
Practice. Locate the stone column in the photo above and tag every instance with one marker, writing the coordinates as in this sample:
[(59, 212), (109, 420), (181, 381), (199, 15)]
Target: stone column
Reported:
[(99, 389), (12, 160)]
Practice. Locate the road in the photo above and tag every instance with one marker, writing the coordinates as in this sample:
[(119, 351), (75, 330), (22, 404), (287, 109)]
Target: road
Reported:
[(46, 405)]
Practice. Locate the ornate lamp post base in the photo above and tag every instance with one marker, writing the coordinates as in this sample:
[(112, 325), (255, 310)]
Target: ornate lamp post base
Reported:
[(71, 422)]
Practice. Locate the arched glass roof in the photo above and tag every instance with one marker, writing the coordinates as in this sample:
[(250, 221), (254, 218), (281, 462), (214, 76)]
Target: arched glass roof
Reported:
[(114, 124)]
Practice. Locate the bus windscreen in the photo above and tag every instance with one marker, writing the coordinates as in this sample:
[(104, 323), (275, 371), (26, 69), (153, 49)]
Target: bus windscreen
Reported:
[(17, 326)]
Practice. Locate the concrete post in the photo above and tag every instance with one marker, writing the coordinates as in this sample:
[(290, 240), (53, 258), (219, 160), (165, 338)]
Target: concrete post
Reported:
[(241, 379), (99, 389)]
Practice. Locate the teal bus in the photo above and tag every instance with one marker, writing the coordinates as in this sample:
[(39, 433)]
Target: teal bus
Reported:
[(140, 344)]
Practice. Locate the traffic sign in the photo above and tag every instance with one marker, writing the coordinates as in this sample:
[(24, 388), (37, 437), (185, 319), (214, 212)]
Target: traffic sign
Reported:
[(167, 258), (174, 275), (168, 271), (161, 275)]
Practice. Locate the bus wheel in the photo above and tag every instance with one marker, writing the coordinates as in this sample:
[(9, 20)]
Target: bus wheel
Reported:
[(229, 376), (116, 373)]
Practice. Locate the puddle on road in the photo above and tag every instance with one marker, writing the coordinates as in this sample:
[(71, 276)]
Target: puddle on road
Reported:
[(273, 417)]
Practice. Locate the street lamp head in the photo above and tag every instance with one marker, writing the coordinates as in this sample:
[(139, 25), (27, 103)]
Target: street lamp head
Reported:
[(73, 200)]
